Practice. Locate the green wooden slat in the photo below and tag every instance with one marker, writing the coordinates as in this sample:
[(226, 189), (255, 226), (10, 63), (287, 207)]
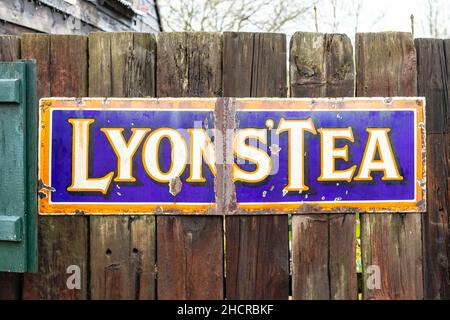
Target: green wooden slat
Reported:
[(9, 90), (11, 228), (13, 160), (32, 166)]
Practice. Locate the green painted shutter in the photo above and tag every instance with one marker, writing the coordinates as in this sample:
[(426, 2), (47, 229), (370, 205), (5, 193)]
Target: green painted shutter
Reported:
[(18, 167)]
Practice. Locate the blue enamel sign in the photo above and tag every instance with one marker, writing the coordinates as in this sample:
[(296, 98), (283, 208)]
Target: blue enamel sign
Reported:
[(157, 156)]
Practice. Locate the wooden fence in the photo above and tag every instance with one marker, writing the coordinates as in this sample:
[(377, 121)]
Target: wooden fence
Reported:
[(245, 257)]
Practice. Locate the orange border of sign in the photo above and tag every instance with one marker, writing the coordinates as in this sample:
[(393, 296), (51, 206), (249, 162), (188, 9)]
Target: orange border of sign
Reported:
[(412, 103)]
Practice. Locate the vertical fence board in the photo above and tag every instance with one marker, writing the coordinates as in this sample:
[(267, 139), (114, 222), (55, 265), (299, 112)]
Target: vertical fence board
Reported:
[(10, 283), (432, 82), (254, 65), (63, 241), (386, 66), (189, 64), (257, 257), (122, 248), (257, 249), (323, 246), (310, 252), (9, 48), (189, 249), (190, 263), (342, 256), (447, 63), (37, 46), (447, 59)]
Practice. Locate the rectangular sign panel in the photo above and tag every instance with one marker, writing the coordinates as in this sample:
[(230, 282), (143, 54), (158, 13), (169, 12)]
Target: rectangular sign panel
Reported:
[(162, 156)]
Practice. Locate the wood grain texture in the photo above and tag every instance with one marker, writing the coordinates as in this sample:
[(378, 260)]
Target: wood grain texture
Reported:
[(386, 66), (435, 223), (432, 83), (323, 246), (342, 256), (447, 63), (323, 257), (189, 65), (37, 46), (310, 256), (123, 257), (10, 283), (255, 59), (9, 48), (68, 66), (190, 264), (257, 247), (63, 241), (257, 257), (390, 242), (122, 248), (433, 68)]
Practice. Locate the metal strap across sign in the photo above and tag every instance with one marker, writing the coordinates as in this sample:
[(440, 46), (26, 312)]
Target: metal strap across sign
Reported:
[(231, 155)]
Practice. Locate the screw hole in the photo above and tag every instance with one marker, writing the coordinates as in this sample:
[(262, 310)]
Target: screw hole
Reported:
[(135, 250), (108, 252)]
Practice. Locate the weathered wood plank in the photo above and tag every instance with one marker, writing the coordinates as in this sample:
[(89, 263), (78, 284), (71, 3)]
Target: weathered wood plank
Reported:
[(390, 242), (257, 247), (435, 223), (37, 46), (257, 257), (323, 246), (342, 256), (122, 247), (386, 66), (122, 64), (324, 257), (189, 64), (68, 66), (447, 63), (100, 69), (63, 241), (123, 257), (10, 283), (255, 60), (9, 48), (310, 253), (190, 264), (307, 65), (432, 82), (321, 65), (340, 74)]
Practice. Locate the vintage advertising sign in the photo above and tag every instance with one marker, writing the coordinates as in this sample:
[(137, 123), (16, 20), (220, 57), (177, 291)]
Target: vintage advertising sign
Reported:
[(191, 155)]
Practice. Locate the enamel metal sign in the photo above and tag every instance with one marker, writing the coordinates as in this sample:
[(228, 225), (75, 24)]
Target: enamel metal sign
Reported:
[(231, 155)]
